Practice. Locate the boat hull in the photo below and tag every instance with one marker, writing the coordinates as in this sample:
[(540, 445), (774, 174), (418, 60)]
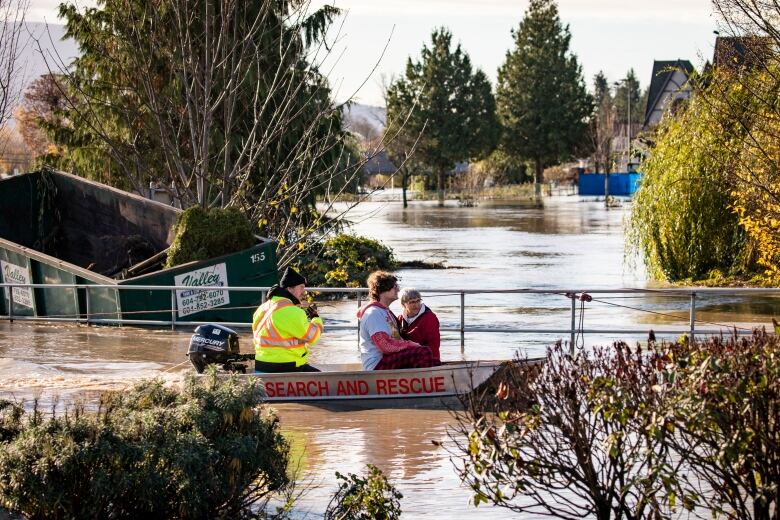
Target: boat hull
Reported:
[(414, 388)]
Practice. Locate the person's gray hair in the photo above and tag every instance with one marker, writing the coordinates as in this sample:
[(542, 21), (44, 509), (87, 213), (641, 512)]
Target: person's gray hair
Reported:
[(409, 293)]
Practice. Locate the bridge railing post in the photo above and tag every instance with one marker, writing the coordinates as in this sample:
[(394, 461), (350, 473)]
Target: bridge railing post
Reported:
[(462, 322)]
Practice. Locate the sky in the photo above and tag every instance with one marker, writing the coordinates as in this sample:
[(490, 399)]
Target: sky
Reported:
[(374, 39)]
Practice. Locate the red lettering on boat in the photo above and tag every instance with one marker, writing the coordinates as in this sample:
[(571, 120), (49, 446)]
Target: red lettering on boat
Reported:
[(392, 386), (324, 389)]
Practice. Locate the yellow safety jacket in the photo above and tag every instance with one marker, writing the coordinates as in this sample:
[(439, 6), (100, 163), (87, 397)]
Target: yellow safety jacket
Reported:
[(282, 332)]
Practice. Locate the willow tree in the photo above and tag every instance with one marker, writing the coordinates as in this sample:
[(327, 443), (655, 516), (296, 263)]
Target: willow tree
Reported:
[(683, 220), (541, 99), (221, 103), (441, 109)]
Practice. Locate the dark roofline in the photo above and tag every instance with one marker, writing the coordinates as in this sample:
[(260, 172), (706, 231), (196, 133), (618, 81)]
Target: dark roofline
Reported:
[(735, 52), (668, 70)]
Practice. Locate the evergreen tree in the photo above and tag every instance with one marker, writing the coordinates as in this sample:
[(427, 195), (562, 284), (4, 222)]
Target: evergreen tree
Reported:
[(443, 107), (637, 96), (541, 98), (601, 88)]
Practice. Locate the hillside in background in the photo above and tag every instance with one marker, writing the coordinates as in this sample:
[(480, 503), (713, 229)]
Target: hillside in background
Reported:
[(366, 120)]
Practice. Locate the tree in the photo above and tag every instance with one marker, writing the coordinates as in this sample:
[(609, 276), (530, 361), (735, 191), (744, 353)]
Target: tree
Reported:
[(602, 124), (42, 100), (681, 219), (745, 92), (601, 88), (221, 103), (441, 107), (629, 88), (541, 98), (12, 42)]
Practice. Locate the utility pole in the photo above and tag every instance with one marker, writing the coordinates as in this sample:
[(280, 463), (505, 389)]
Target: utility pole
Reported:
[(628, 128)]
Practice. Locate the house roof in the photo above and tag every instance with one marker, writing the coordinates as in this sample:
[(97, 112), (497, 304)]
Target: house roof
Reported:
[(378, 163), (736, 52), (662, 74), (460, 167)]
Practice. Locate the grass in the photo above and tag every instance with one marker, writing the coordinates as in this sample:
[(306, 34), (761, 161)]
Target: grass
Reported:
[(505, 192)]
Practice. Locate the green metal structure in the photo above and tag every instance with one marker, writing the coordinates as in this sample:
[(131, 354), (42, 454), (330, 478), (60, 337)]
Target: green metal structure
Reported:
[(57, 228)]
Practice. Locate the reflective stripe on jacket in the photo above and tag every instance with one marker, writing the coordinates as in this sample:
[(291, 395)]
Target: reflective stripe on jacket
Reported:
[(282, 332)]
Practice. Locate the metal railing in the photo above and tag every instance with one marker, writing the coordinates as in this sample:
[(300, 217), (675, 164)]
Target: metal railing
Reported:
[(574, 295)]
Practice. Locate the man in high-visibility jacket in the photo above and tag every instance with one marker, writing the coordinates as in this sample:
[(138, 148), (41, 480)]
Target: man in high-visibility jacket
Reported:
[(282, 330)]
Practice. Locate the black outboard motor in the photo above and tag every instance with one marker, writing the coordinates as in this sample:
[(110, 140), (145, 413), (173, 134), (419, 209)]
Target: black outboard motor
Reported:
[(218, 345)]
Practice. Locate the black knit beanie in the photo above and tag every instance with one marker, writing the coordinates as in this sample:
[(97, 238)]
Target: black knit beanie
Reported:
[(291, 278)]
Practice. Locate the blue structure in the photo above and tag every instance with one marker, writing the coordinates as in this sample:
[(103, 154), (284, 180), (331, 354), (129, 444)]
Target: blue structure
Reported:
[(624, 184)]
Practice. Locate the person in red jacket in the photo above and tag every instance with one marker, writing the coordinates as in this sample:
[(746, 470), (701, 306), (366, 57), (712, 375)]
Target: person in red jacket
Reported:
[(418, 323), (381, 346)]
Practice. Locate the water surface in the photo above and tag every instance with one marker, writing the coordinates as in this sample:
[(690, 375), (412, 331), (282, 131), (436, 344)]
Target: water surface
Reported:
[(568, 244)]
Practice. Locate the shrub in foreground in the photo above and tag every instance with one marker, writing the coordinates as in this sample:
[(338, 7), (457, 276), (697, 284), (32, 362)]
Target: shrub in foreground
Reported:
[(632, 433), (570, 438), (726, 409), (208, 450)]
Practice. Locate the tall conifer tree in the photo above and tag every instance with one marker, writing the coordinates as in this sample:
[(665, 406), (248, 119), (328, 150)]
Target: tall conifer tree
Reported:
[(445, 103), (541, 98)]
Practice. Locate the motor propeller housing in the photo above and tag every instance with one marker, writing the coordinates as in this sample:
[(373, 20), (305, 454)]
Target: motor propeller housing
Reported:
[(214, 344)]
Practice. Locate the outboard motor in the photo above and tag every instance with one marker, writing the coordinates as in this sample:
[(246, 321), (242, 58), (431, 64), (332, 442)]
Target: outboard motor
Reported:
[(217, 345)]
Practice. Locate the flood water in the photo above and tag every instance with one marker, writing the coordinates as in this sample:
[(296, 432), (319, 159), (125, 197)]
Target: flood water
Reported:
[(568, 244)]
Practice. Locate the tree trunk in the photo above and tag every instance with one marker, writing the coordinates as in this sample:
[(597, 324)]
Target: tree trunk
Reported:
[(201, 189), (603, 509), (538, 178), (403, 188), (440, 188)]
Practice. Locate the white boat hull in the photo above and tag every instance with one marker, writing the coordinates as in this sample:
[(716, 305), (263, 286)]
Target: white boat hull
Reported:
[(414, 385)]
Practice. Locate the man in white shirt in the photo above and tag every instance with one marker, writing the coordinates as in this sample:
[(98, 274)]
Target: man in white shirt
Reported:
[(381, 346)]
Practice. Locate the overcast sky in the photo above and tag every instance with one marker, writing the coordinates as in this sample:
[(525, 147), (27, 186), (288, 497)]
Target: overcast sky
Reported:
[(608, 35)]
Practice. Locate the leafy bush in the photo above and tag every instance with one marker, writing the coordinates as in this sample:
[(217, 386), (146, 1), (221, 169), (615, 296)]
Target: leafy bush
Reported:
[(727, 418), (563, 441), (632, 433), (370, 497), (206, 451), (10, 415), (345, 261), (202, 234)]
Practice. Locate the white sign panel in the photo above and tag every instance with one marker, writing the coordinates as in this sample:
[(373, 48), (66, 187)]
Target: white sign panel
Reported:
[(192, 301), (13, 273)]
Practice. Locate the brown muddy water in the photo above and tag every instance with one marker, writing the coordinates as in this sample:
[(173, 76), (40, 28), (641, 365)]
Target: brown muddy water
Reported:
[(568, 244)]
